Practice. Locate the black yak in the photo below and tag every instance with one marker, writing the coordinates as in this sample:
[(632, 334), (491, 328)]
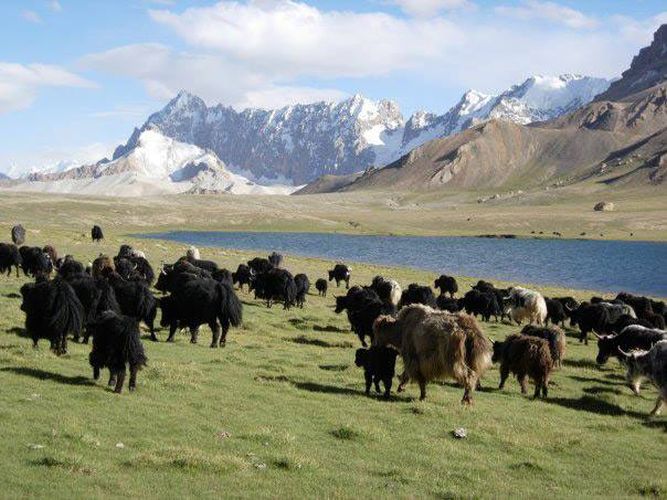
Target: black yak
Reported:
[(260, 265), (116, 346), (379, 364), (275, 285), (10, 257), (363, 307), (275, 259), (417, 294), (202, 301), (35, 262), (302, 287), (447, 284), (69, 266), (96, 234), (321, 285), (242, 276), (135, 299), (340, 272), (52, 311)]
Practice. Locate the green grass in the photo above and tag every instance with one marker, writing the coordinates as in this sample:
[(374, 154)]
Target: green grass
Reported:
[(280, 412)]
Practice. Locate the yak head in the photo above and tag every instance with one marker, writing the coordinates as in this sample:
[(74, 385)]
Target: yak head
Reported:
[(606, 348), (387, 332), (498, 349), (635, 362), (361, 357), (341, 304)]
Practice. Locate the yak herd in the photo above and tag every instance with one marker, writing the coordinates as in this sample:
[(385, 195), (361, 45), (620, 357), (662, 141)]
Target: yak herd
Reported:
[(436, 336)]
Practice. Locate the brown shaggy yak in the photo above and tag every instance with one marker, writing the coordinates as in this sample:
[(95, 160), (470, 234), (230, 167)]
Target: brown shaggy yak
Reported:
[(100, 264), (436, 345), (524, 356)]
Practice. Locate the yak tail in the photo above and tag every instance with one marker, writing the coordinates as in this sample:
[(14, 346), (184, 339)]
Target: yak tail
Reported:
[(107, 300), (478, 349), (147, 306), (133, 349), (67, 314), (231, 309)]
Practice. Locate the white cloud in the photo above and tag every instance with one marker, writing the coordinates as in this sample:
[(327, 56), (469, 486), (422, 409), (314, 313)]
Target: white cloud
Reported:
[(19, 83), (549, 11), (55, 6), (425, 8), (31, 16)]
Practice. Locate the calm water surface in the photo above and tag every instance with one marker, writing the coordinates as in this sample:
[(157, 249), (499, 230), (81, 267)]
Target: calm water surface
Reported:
[(637, 267)]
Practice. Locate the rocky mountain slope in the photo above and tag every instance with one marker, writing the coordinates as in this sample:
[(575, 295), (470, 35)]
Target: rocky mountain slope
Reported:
[(622, 141), (155, 165), (302, 142)]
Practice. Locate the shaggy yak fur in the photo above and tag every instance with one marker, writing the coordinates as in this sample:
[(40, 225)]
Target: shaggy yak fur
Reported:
[(260, 265), (275, 259), (96, 234), (276, 285), (18, 235), (363, 307), (599, 318), (242, 276), (379, 364), (632, 338), (555, 312), (206, 265), (52, 253), (133, 267), (193, 253), (196, 302), (340, 272), (52, 310), (101, 266), (436, 345), (417, 294), (10, 257), (447, 284), (302, 287), (554, 336), (651, 365), (70, 267), (524, 356), (170, 274), (35, 262), (526, 305), (134, 299), (388, 290), (448, 304), (321, 286), (117, 346)]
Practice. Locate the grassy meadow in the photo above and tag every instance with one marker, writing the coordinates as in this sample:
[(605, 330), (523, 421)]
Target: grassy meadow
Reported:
[(280, 412)]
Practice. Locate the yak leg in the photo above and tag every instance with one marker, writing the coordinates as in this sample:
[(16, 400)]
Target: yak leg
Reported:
[(538, 388), (362, 338), (112, 377), (133, 377), (369, 382), (120, 381), (504, 373), (387, 387), (545, 388), (376, 379), (215, 329), (660, 402), (422, 387), (521, 377), (96, 373), (225, 329), (403, 379), (172, 332), (194, 332)]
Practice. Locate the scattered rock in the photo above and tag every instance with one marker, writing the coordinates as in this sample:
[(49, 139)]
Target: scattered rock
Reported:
[(120, 445), (224, 435), (35, 446), (460, 433), (604, 206)]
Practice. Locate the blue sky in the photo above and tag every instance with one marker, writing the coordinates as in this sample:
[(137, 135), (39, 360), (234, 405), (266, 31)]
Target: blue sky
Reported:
[(77, 75)]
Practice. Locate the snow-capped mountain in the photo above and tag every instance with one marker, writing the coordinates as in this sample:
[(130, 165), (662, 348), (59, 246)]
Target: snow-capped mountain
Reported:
[(302, 142), (155, 165)]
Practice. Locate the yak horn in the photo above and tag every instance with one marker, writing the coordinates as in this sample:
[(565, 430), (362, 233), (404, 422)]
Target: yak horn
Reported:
[(597, 336), (623, 353)]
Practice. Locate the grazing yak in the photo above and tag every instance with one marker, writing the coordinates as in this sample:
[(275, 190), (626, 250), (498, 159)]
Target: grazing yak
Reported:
[(321, 285), (363, 307), (388, 290), (447, 284), (18, 235), (482, 303), (276, 285), (117, 346), (651, 365), (417, 294), (499, 293), (555, 312), (340, 272), (275, 259), (96, 234), (526, 305), (199, 301), (379, 364), (524, 356), (52, 310), (631, 338), (598, 317), (35, 262), (10, 257), (553, 335), (242, 276), (302, 287), (435, 345)]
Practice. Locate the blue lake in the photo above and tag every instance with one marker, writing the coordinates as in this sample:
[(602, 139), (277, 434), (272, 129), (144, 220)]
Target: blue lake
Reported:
[(613, 266)]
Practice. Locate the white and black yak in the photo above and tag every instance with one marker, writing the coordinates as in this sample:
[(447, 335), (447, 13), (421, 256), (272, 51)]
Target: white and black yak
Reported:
[(649, 365), (388, 290), (631, 338), (52, 312), (523, 304), (436, 345), (195, 302), (10, 257), (117, 346)]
